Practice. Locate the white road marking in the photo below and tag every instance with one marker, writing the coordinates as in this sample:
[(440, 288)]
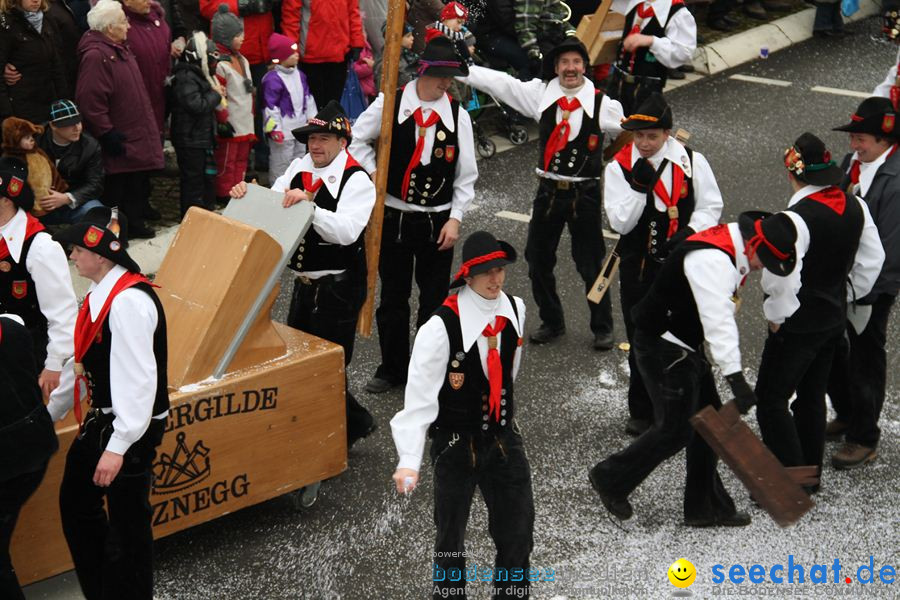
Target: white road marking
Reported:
[(523, 218), (840, 92), (763, 80)]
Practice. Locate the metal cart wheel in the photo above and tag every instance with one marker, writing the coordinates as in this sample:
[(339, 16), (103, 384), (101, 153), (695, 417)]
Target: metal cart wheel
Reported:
[(518, 135), (303, 499), (486, 148)]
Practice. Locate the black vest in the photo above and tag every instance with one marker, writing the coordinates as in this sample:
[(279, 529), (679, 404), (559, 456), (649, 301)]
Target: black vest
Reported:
[(670, 304), (314, 253), (833, 241), (96, 360), (431, 184), (18, 296), (651, 232), (464, 397), (583, 156), (645, 63)]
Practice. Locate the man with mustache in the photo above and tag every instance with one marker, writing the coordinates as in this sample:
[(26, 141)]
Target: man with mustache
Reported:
[(430, 184), (573, 117)]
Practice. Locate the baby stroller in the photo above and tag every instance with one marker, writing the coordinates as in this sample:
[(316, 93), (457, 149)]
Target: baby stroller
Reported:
[(515, 131)]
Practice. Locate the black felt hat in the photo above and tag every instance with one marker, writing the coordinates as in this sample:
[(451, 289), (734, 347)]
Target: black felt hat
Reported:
[(875, 116), (653, 113), (14, 182), (331, 119), (810, 162), (482, 252), (440, 59), (570, 44), (93, 233), (772, 238)]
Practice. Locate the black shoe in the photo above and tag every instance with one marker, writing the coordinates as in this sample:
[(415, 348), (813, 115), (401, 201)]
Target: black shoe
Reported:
[(151, 214), (379, 385), (688, 68), (755, 10), (637, 427), (719, 24), (353, 437), (730, 20), (738, 519), (620, 508), (141, 233), (602, 341), (546, 334), (676, 74)]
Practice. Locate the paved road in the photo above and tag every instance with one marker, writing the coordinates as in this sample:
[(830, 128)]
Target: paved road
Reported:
[(361, 541)]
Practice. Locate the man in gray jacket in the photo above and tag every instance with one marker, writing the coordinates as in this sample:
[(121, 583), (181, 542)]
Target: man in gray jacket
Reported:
[(857, 382)]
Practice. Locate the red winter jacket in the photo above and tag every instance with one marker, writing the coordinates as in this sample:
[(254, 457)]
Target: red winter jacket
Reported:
[(327, 34), (257, 30)]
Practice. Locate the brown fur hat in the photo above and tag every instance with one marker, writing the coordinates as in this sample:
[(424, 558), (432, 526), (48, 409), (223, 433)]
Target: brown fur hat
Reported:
[(14, 129)]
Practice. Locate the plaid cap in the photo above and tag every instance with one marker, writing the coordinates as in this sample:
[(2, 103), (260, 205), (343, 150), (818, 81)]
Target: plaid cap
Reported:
[(64, 113)]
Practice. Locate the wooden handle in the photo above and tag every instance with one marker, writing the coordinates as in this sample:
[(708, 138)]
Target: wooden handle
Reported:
[(392, 43)]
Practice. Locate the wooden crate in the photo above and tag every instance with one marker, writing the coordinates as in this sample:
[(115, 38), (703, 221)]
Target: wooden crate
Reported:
[(601, 33)]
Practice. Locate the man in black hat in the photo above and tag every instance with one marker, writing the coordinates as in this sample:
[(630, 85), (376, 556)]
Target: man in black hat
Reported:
[(120, 370), (658, 192), (658, 35), (34, 276), (693, 300), (460, 392), (573, 116), (837, 243), (78, 159), (330, 263), (858, 376), (430, 184)]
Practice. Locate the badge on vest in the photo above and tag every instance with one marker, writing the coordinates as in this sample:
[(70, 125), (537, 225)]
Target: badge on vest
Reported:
[(19, 289), (684, 190), (438, 153), (449, 153), (441, 136), (456, 379), (5, 267), (593, 140)]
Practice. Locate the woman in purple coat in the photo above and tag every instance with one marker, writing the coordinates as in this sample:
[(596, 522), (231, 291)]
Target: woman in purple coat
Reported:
[(150, 39), (117, 111)]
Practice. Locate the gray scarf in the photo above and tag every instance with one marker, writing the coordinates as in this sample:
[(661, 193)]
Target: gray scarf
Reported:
[(36, 19)]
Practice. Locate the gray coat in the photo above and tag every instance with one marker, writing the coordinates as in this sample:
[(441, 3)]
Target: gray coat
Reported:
[(883, 200)]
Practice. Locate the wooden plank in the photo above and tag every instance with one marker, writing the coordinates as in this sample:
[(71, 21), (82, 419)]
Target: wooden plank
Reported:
[(757, 468), (254, 435)]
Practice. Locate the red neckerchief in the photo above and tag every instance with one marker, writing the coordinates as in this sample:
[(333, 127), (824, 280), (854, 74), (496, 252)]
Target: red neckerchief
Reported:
[(560, 135), (313, 187), (86, 332), (623, 157), (720, 237), (857, 164), (494, 366), (832, 197), (32, 226), (423, 124)]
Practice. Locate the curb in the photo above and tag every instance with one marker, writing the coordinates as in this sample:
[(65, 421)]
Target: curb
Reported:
[(775, 35)]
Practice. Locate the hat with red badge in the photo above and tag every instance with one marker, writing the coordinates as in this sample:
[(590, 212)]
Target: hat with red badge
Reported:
[(875, 116), (14, 182), (97, 232)]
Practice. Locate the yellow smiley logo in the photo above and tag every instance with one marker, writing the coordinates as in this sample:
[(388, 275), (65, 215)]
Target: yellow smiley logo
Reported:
[(682, 573)]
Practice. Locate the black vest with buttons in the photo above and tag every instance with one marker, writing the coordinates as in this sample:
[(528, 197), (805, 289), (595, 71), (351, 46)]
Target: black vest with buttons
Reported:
[(18, 296), (645, 63), (833, 241), (314, 253), (651, 232), (466, 409), (96, 360), (431, 184), (583, 156)]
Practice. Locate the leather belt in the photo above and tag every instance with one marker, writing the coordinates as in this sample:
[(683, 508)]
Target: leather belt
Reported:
[(629, 78), (324, 279)]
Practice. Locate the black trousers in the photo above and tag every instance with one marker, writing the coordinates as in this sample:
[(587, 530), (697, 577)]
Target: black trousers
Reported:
[(408, 249), (131, 193), (579, 209), (330, 310), (197, 187), (632, 95), (719, 8), (113, 548), (498, 466), (680, 384), (326, 80), (13, 495), (795, 362), (636, 275), (859, 374)]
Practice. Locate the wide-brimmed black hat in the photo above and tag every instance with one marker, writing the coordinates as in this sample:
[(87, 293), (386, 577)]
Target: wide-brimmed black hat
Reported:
[(772, 238), (331, 119), (93, 233), (875, 116), (653, 113), (569, 44), (440, 59), (810, 162), (482, 252), (14, 182)]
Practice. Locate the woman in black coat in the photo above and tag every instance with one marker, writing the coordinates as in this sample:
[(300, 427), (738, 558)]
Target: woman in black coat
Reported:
[(29, 42)]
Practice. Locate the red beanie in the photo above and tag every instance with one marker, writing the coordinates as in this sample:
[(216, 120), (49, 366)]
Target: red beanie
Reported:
[(455, 10), (281, 47)]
